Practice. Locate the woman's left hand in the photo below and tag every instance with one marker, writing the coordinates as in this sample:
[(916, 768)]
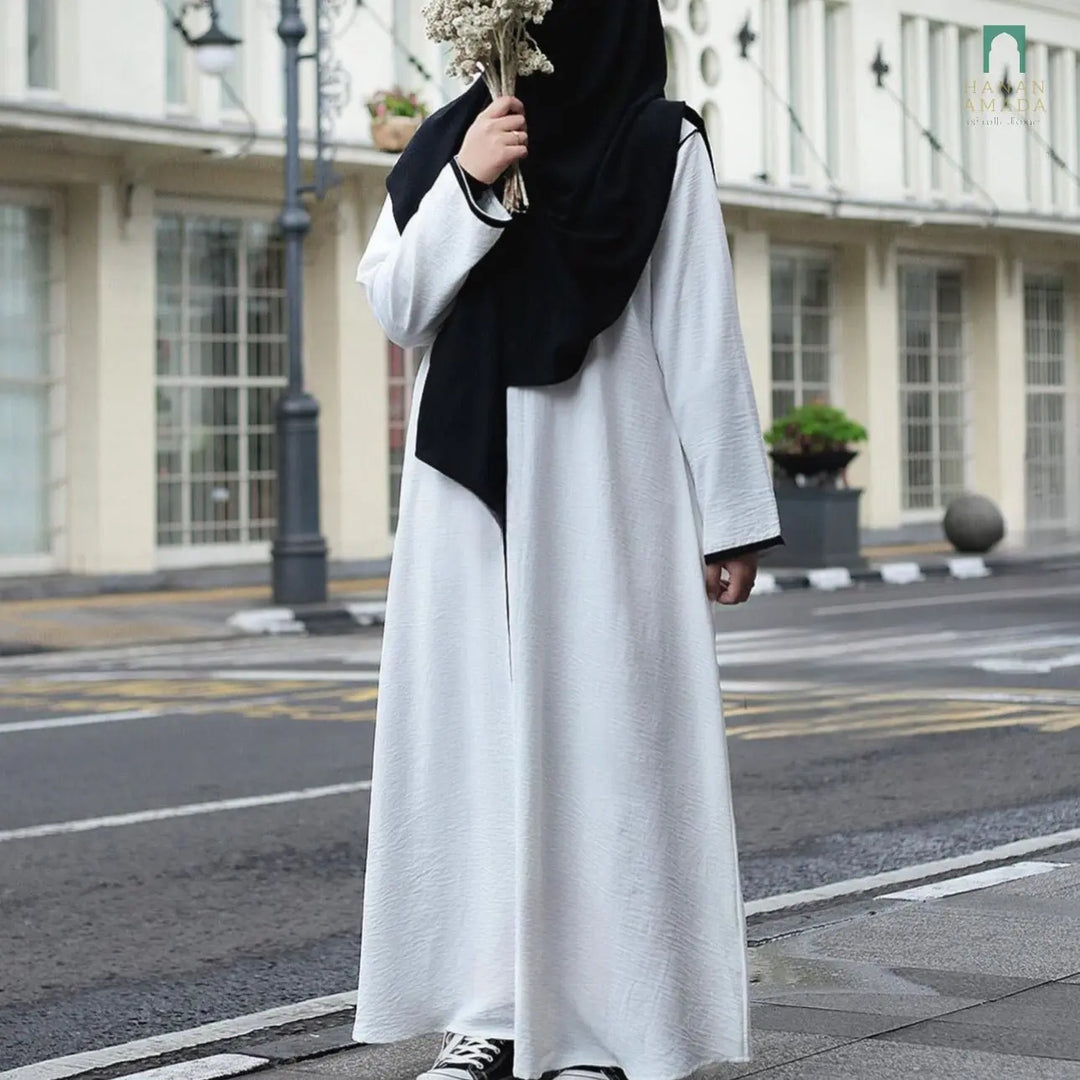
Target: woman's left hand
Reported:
[(730, 581)]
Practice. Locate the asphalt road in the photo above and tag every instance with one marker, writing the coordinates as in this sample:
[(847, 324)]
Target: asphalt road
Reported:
[(869, 729)]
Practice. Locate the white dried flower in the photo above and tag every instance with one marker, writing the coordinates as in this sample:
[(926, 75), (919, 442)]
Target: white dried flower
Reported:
[(491, 36)]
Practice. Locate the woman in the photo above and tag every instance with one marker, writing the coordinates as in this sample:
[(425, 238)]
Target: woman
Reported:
[(552, 876)]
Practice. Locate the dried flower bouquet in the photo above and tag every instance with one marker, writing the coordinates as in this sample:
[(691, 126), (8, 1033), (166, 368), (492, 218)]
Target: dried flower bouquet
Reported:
[(492, 35)]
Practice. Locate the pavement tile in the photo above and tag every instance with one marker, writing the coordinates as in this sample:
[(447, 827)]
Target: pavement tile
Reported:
[(964, 984), (914, 993), (1063, 1043), (768, 1049), (1056, 892), (1043, 1008), (389, 1061), (292, 1047), (933, 934), (899, 1007), (887, 1060), (848, 1025)]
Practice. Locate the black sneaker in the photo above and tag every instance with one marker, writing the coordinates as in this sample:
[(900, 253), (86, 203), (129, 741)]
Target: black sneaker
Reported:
[(467, 1057)]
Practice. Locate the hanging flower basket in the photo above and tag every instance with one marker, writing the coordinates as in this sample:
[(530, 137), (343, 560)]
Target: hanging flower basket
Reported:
[(395, 116), (393, 133)]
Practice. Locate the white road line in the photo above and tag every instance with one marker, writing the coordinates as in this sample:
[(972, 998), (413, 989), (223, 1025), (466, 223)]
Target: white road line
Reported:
[(255, 675), (171, 1042), (973, 882), (1063, 697), (208, 1068), (79, 721), (995, 596), (855, 886), (166, 813), (1013, 665)]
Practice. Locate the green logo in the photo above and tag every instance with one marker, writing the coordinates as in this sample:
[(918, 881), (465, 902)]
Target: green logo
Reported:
[(1017, 33)]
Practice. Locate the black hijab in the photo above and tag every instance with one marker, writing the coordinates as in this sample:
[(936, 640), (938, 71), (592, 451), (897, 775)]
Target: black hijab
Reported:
[(602, 144)]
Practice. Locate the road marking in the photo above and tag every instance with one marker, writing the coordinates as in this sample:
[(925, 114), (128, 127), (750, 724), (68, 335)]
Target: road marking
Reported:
[(171, 1042), (207, 1068), (1032, 697), (889, 725), (995, 597), (255, 675), (166, 813), (1012, 665), (79, 721), (855, 886), (972, 882)]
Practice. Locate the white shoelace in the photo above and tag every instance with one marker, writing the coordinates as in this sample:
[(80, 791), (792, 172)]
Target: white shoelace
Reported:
[(466, 1050)]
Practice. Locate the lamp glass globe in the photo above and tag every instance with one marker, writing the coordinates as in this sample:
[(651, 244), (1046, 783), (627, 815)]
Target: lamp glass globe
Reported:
[(215, 59)]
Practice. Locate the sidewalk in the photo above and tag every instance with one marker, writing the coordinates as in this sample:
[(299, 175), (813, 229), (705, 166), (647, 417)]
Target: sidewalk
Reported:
[(977, 985), (169, 615), (67, 611)]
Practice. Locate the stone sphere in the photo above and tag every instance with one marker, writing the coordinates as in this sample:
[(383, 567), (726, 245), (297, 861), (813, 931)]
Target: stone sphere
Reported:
[(973, 524)]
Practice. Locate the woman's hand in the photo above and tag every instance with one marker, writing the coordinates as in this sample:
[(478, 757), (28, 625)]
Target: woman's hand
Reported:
[(495, 140), (735, 587)]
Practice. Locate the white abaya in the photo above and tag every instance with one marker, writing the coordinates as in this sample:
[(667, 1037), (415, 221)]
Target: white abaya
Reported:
[(552, 853)]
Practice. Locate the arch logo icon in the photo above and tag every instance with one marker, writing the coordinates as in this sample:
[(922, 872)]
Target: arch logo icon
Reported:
[(1017, 33)]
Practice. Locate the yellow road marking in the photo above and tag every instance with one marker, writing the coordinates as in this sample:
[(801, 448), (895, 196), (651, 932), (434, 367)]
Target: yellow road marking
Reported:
[(811, 727), (193, 698), (168, 597)]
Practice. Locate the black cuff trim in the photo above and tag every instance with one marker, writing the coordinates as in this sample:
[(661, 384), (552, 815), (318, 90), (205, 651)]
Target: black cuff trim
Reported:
[(745, 549), (463, 179)]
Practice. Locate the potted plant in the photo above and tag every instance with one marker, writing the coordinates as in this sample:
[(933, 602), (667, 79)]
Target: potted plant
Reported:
[(814, 441), (395, 116), (819, 514)]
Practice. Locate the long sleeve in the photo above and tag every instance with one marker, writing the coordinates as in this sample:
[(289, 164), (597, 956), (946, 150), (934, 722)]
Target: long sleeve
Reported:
[(699, 344), (412, 277)]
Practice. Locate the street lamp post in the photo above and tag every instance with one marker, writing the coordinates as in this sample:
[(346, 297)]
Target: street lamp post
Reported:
[(299, 550)]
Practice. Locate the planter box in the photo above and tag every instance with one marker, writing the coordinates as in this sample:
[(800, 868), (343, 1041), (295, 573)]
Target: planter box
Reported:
[(820, 527), (392, 133)]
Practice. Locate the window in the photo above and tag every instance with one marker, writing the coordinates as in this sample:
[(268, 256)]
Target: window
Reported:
[(25, 381), (671, 49), (1055, 116), (402, 17), (231, 20), (176, 66), (909, 81), (933, 387), (801, 289), (970, 72), (41, 44), (834, 108), (797, 95), (939, 100), (1047, 401), (402, 365), (221, 362)]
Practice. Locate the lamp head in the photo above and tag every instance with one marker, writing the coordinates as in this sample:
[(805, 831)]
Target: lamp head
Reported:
[(215, 51)]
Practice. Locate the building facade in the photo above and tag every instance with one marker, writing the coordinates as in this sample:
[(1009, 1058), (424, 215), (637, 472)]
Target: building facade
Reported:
[(906, 251)]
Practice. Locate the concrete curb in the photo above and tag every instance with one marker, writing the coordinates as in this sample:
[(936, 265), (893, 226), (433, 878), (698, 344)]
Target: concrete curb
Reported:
[(329, 618), (342, 618), (831, 578)]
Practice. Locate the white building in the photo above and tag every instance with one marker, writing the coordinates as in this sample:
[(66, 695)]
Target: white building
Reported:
[(933, 294)]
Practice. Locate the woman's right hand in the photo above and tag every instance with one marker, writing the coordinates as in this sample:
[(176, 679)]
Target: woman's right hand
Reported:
[(495, 140)]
